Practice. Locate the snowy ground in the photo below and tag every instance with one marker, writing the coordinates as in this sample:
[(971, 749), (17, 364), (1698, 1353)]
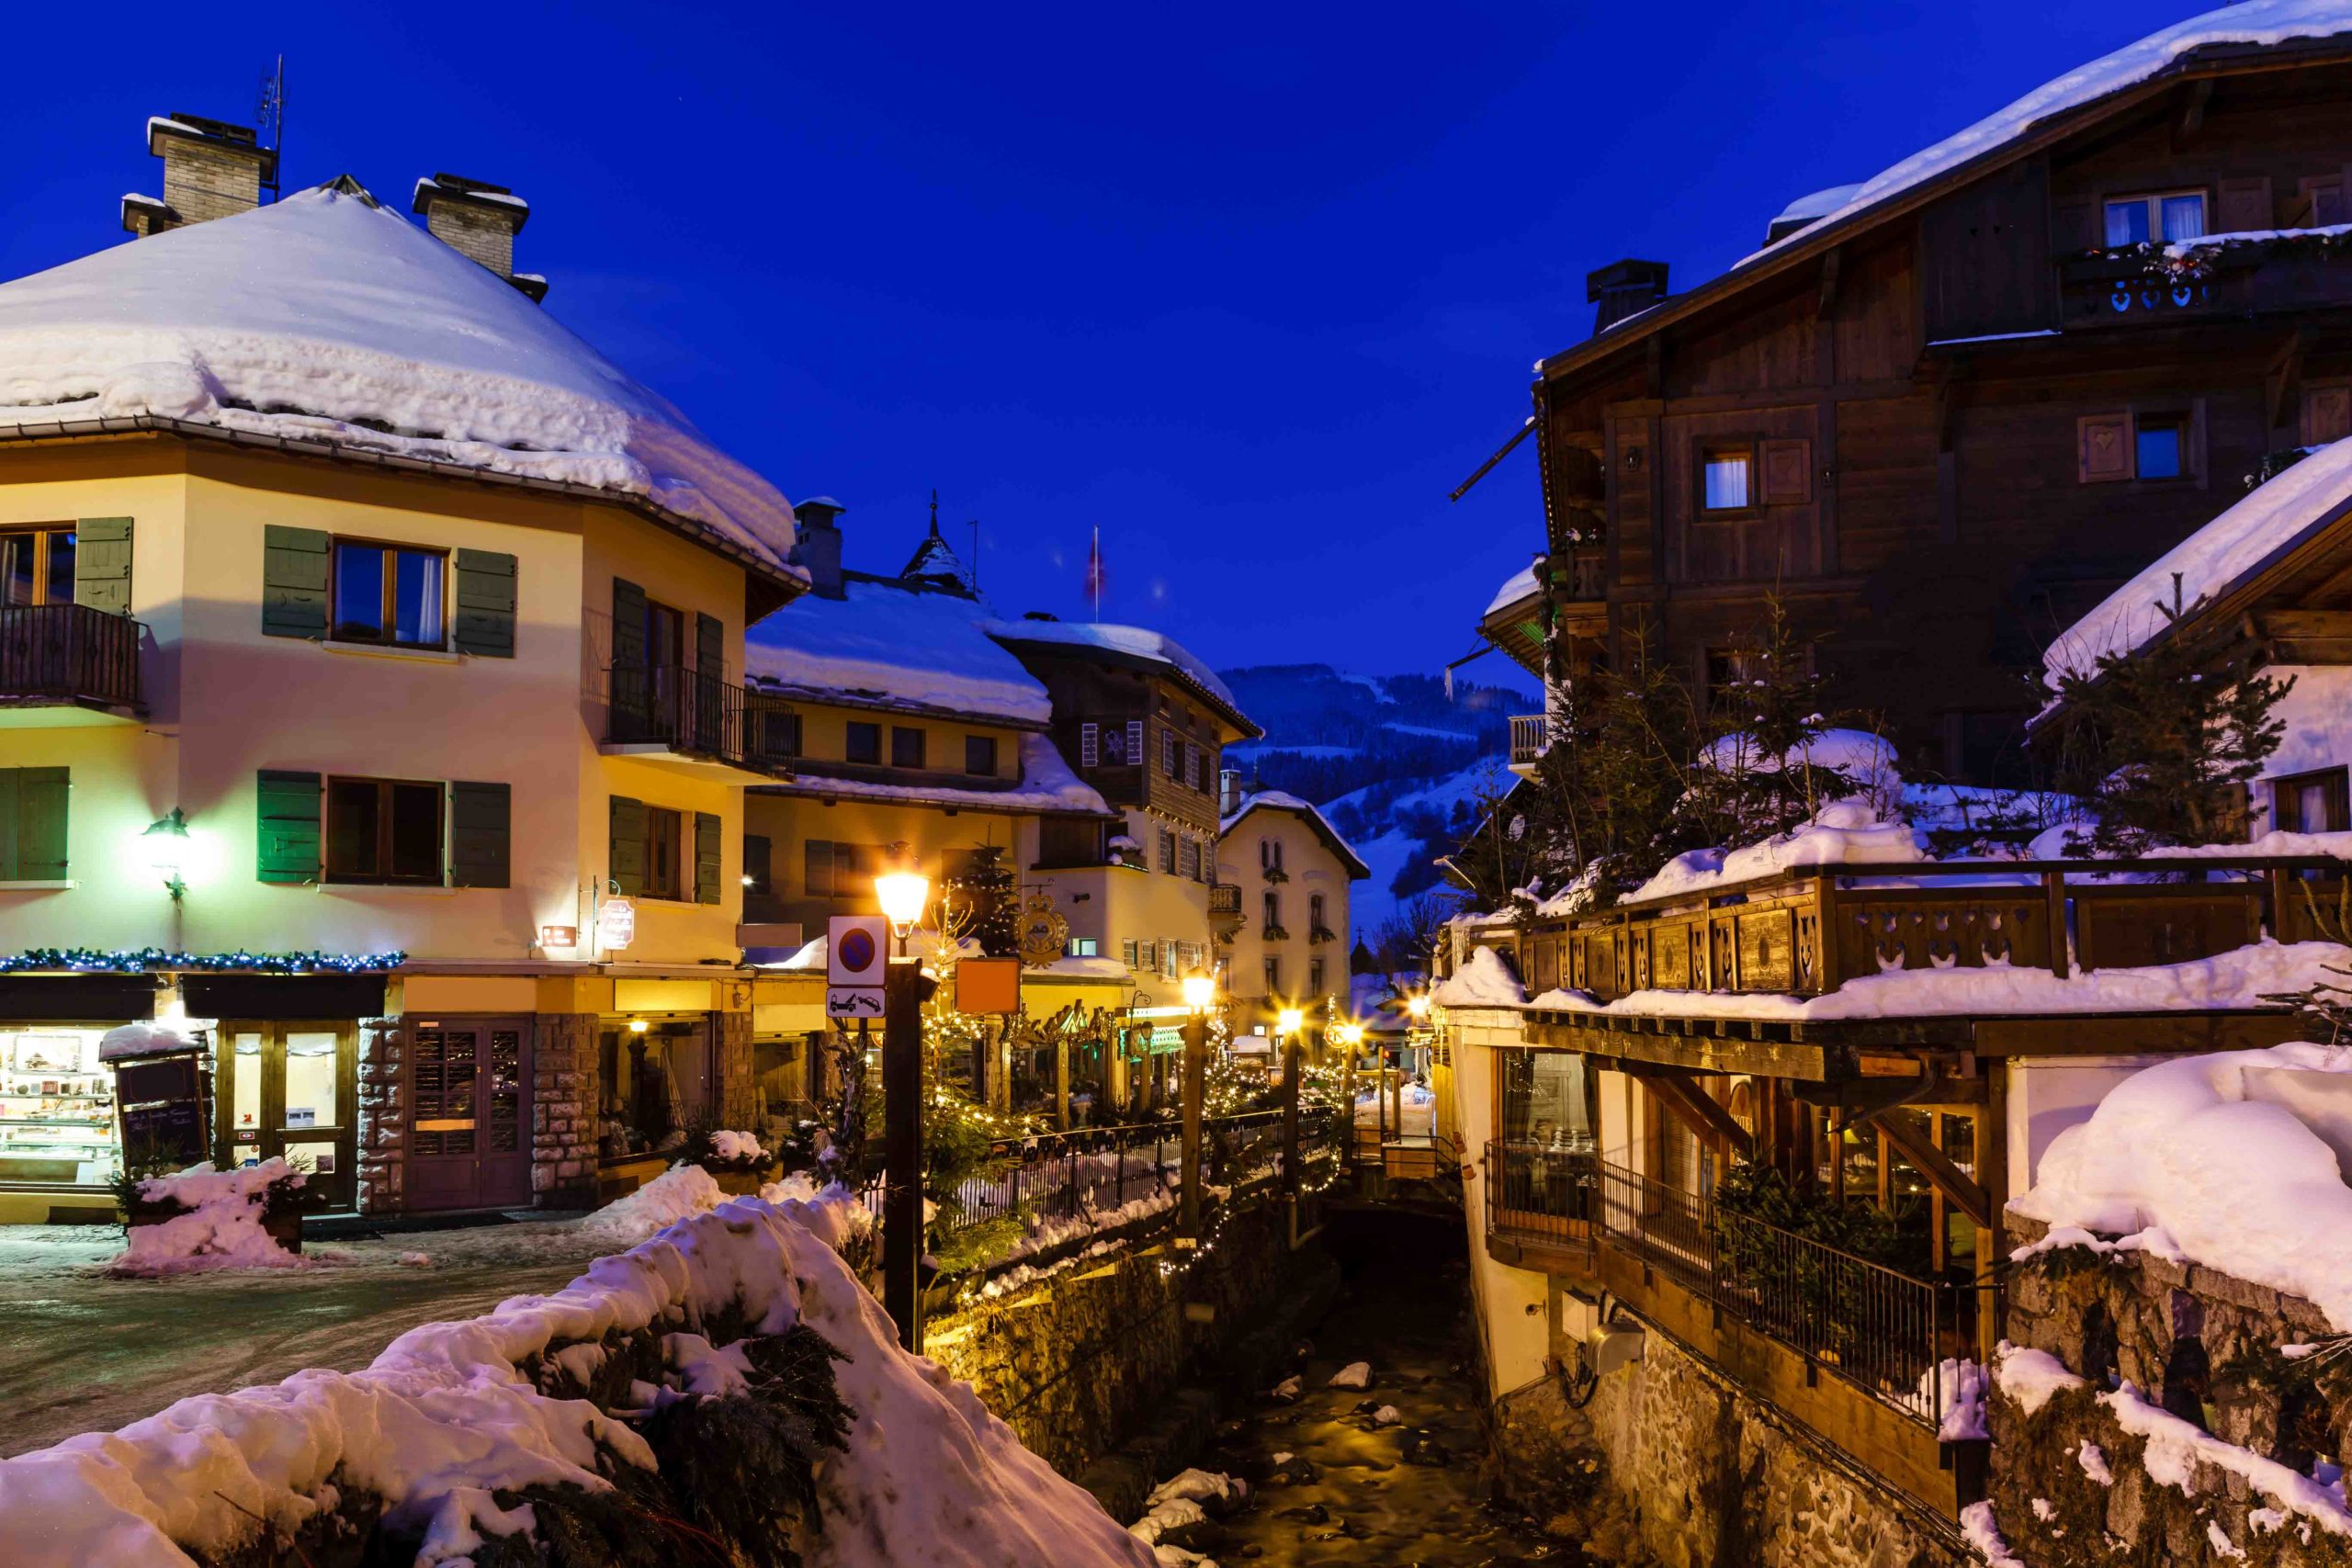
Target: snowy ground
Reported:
[(81, 1352)]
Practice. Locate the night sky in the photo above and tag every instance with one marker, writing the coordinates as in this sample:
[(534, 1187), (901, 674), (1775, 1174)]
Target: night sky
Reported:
[(1249, 289)]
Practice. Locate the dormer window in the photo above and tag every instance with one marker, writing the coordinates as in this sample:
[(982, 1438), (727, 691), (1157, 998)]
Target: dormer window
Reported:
[(2170, 216)]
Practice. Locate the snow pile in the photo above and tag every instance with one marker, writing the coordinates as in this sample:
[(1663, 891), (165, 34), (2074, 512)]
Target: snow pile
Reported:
[(1179, 1504), (449, 1413), (1846, 832), (907, 647), (126, 1041), (736, 1148), (2272, 517), (1956, 1388), (678, 1194), (1982, 1534), (2242, 977), (1355, 1374), (1866, 759), (1484, 980), (1134, 642), (222, 1226), (324, 317), (2233, 1159)]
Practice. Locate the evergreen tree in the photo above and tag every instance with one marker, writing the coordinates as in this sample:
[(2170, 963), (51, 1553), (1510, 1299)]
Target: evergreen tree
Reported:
[(1762, 774), (2163, 740), (987, 893)]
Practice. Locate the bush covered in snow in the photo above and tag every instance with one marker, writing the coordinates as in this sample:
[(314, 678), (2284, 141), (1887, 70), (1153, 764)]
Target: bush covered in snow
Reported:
[(202, 1219)]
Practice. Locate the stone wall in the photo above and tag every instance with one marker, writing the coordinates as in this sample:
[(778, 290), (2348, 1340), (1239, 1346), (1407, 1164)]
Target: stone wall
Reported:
[(2197, 1346), (383, 1088), (1669, 1463), (563, 1110), (737, 1072)]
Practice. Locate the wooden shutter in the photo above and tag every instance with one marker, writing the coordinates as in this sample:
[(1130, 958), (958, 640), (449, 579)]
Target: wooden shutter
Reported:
[(287, 842), (817, 868), (33, 824), (485, 624), (710, 647), (1135, 741), (1090, 745), (102, 564), (2324, 196), (706, 829), (2240, 206), (2103, 447), (628, 855), (1167, 752), (480, 835), (294, 581), (1192, 765), (2325, 414), (629, 624), (1787, 473)]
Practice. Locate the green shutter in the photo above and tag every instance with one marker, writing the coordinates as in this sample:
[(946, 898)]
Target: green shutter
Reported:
[(294, 581), (710, 647), (288, 840), (33, 824), (485, 623), (102, 564), (705, 858), (629, 624), (628, 850), (481, 827)]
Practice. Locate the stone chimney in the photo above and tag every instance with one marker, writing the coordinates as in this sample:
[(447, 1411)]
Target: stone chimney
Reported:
[(1229, 791), (478, 220), (818, 545), (1622, 290), (211, 169)]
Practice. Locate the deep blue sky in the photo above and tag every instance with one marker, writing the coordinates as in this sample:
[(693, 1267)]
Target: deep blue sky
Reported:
[(1248, 288)]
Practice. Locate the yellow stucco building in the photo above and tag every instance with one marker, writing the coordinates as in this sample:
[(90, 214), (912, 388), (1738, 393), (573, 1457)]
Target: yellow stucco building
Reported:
[(1291, 948)]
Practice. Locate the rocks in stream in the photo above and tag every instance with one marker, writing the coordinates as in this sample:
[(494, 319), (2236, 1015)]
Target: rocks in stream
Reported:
[(1424, 1449)]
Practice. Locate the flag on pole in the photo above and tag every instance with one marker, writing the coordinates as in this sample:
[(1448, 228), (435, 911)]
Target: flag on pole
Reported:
[(1094, 572)]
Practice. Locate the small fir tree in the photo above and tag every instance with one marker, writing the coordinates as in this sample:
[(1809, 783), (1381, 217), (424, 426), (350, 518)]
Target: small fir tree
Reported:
[(1762, 778), (988, 890)]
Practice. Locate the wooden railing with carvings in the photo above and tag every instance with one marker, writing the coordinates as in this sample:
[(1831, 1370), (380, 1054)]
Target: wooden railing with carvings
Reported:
[(1806, 931)]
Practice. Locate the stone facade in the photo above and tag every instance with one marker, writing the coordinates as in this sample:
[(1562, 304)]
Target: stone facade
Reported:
[(738, 1071), (383, 1115), (2202, 1346), (563, 1109), (1669, 1463)]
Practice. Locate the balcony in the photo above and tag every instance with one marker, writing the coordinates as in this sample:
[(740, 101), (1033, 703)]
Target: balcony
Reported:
[(1225, 909), (2291, 273), (67, 664), (1529, 740), (697, 723), (1540, 1205), (1588, 574)]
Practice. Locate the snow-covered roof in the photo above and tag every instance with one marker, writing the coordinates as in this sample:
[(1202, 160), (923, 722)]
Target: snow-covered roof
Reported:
[(1484, 980), (1518, 586), (323, 316), (2276, 516), (1279, 800), (892, 646), (1818, 204), (1047, 785), (1130, 642)]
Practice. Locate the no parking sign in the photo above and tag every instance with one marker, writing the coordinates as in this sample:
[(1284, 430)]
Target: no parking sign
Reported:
[(855, 952)]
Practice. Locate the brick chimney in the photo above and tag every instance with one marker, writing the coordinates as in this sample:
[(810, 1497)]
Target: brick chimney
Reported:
[(211, 169), (478, 220), (1622, 290), (818, 547)]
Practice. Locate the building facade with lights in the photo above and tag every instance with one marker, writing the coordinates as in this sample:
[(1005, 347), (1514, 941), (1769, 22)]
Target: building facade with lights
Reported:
[(1294, 871), (370, 679)]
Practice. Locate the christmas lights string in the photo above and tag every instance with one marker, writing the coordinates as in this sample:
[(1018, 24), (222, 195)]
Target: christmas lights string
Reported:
[(154, 960)]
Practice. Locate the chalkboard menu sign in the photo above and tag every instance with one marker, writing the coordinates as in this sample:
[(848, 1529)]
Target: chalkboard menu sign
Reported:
[(162, 1109)]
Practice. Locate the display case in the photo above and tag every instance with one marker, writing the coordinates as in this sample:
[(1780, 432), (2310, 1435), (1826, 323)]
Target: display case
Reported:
[(56, 1110)]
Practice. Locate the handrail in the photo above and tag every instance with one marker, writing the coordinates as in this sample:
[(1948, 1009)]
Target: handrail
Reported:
[(74, 652)]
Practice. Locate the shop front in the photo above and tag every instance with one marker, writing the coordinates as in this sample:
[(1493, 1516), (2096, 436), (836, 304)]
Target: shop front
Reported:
[(61, 1149), (469, 1107), (285, 1072)]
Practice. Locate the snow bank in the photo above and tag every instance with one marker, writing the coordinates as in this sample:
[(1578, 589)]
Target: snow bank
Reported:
[(1982, 1534), (678, 1194), (2235, 1158), (1355, 1374), (1484, 980), (736, 1148), (323, 316), (448, 1414), (913, 647), (221, 1228)]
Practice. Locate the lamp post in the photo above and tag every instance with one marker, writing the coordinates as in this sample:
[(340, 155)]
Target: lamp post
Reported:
[(1287, 1025), (1200, 994), (1348, 1037), (903, 891), (165, 846)]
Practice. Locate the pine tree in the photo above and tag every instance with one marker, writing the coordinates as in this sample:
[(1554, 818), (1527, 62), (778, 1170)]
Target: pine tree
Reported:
[(1762, 777), (2163, 740), (986, 888)]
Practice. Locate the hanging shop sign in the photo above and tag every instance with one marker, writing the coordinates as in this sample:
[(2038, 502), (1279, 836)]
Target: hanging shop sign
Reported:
[(857, 954), (1045, 931), (615, 923)]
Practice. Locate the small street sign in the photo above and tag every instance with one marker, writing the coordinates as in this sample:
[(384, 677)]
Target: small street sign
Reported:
[(616, 924), (857, 950)]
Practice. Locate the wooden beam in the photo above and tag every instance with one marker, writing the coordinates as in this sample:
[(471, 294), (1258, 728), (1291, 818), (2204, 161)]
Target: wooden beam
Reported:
[(1699, 1053), (2284, 379), (1696, 1108), (1830, 265), (1959, 1189), (2200, 92)]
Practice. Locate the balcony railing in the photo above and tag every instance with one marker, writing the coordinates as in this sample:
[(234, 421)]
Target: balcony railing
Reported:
[(1529, 734), (69, 653), (1225, 899), (2289, 273), (1589, 573), (700, 716), (1541, 1193)]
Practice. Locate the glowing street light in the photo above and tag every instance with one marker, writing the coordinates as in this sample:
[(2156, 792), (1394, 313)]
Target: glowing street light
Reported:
[(166, 845), (1200, 990), (1289, 1021), (1419, 1006), (903, 891)]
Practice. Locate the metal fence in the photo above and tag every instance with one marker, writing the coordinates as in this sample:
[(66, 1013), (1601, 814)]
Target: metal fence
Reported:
[(1535, 1190), (702, 714), (68, 651)]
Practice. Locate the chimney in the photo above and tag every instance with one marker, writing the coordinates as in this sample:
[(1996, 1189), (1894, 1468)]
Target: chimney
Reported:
[(211, 169), (1229, 791), (1622, 290), (478, 220), (818, 544)]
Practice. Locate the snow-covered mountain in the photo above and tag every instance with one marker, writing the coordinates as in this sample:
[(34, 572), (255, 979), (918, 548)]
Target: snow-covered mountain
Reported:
[(1399, 767)]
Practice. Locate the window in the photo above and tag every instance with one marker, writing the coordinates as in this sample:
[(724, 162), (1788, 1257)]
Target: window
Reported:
[(1069, 840), (1192, 766), (1085, 947), (1168, 752), (2159, 448), (1273, 976), (837, 871), (1315, 912), (664, 845), (33, 824), (757, 871), (1726, 668), (1314, 976), (1270, 853), (1202, 862), (980, 755), (907, 747), (2116, 446), (1172, 959), (1274, 912), (37, 567), (1149, 953), (383, 831), (1543, 1098), (2170, 216), (1128, 953), (2311, 803), (1190, 865), (1167, 852), (863, 743), (1727, 479), (388, 593)]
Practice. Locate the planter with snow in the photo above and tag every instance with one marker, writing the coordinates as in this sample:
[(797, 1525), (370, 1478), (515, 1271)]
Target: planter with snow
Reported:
[(735, 1160), (203, 1218)]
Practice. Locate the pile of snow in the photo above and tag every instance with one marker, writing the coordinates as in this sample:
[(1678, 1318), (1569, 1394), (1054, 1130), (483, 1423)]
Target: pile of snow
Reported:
[(2233, 1159), (1177, 1504), (1846, 832), (1483, 980), (1956, 1388), (126, 1041), (323, 316), (1355, 1374), (1982, 1533), (448, 1413), (678, 1194), (1134, 642), (907, 647), (221, 1227), (736, 1148)]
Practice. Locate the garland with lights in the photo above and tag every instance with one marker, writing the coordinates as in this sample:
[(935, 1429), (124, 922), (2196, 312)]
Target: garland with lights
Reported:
[(154, 960)]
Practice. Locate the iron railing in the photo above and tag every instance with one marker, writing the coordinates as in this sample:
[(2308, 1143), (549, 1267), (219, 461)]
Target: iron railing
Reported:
[(1539, 1193), (700, 714), (1876, 1328), (1527, 737), (69, 652)]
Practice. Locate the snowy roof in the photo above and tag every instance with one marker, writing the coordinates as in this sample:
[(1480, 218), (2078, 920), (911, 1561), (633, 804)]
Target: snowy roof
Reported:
[(1278, 800), (1127, 642), (936, 558), (1047, 785), (323, 316), (890, 646), (1819, 203), (2276, 517), (1519, 585), (1484, 980)]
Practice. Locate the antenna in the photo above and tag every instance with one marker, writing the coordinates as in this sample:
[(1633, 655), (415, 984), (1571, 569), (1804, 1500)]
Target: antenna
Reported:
[(269, 117)]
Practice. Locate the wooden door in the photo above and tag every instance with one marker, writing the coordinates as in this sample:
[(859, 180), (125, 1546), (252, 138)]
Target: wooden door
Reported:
[(469, 1114), (290, 1089)]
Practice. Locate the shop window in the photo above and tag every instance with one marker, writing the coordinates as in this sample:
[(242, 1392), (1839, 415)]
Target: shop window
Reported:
[(56, 1110), (905, 746), (37, 566), (1543, 1098), (862, 742), (665, 844), (980, 755), (383, 831), (2310, 803), (388, 593), (1727, 479), (2167, 215)]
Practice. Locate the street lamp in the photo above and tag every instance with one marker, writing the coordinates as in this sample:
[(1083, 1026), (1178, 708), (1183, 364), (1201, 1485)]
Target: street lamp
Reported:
[(166, 843), (1417, 1004), (901, 891), (1200, 995), (1288, 1022), (1200, 991)]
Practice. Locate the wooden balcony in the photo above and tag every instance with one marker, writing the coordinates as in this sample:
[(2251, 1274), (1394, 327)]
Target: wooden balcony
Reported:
[(69, 661), (1225, 909), (1529, 740), (1588, 574), (2263, 279)]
